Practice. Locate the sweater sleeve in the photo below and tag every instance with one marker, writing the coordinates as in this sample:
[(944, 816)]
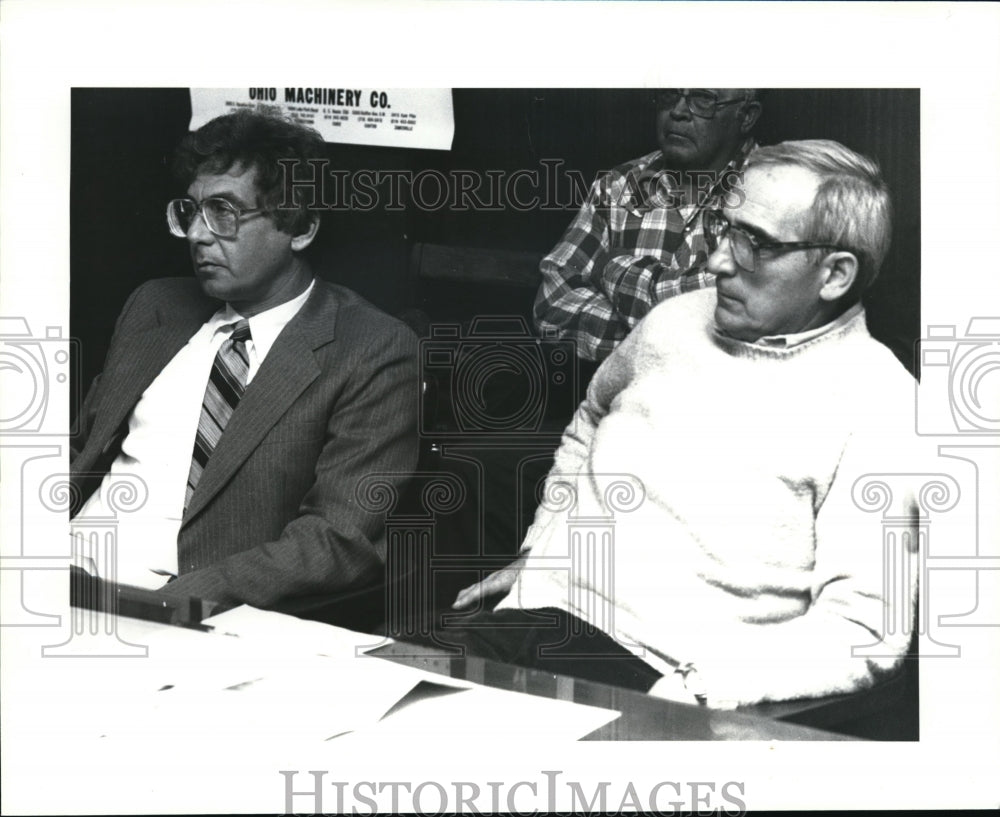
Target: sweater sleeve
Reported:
[(858, 625), (573, 456)]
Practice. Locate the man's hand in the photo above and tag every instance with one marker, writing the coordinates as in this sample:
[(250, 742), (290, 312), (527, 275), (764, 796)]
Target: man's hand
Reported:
[(496, 584)]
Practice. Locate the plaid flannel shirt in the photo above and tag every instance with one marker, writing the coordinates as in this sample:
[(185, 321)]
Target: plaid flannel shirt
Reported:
[(633, 243)]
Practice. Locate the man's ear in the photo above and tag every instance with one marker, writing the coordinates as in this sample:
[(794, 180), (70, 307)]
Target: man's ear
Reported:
[(305, 238), (749, 114), (840, 270)]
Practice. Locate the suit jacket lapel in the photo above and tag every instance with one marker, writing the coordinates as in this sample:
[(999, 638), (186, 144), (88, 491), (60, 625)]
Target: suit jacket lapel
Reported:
[(148, 351), (286, 372)]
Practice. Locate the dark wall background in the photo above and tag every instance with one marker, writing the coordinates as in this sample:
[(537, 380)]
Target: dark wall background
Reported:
[(122, 140)]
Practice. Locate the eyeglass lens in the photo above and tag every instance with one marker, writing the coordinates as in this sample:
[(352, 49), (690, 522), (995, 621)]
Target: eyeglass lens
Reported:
[(740, 244), (220, 217), (701, 103)]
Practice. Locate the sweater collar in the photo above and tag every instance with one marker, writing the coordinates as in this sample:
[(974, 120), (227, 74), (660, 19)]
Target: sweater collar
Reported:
[(777, 346)]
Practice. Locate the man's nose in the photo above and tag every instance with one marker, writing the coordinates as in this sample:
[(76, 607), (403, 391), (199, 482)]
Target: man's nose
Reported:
[(721, 262), (198, 232), (680, 109)]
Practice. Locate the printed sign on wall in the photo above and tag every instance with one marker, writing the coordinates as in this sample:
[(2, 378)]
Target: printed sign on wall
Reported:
[(392, 117)]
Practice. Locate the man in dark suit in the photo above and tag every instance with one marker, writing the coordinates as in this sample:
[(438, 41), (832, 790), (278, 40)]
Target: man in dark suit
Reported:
[(251, 400)]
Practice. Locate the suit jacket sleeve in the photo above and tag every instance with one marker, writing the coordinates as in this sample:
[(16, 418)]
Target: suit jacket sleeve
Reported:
[(334, 543), (88, 409)]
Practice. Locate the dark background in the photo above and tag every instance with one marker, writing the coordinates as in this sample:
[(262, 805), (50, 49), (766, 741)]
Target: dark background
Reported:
[(122, 140)]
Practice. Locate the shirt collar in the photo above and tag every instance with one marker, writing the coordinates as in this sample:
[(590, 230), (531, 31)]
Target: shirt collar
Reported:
[(656, 173), (798, 338), (264, 326)]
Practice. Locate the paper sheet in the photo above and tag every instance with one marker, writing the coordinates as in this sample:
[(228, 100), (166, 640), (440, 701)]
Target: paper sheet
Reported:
[(258, 676), (287, 633), (263, 679), (432, 711)]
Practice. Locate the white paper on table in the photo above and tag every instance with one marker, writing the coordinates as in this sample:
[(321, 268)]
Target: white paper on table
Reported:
[(290, 634), (487, 714), (259, 678)]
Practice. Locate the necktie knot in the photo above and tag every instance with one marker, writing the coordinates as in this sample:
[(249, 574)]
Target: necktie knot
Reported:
[(241, 331)]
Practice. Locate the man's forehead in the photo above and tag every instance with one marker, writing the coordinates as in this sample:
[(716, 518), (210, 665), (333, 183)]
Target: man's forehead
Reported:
[(238, 181), (775, 196)]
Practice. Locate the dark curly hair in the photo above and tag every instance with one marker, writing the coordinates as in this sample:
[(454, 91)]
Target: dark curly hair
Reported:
[(258, 141)]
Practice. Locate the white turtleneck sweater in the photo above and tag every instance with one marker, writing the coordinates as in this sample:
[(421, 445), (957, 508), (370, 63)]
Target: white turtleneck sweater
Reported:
[(732, 540)]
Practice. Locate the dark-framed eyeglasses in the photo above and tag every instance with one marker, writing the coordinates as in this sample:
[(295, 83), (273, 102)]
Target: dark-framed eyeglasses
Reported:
[(700, 103), (222, 217), (745, 248)]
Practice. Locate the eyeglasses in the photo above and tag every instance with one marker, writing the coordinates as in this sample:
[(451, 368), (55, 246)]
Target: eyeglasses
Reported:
[(744, 247), (221, 217), (702, 104)]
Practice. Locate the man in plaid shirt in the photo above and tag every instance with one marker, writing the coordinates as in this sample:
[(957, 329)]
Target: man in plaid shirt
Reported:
[(638, 238)]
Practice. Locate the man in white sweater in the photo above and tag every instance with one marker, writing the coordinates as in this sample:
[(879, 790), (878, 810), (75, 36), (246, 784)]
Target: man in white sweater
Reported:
[(699, 536)]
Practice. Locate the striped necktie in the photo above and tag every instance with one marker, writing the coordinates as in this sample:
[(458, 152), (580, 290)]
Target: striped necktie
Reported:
[(225, 387)]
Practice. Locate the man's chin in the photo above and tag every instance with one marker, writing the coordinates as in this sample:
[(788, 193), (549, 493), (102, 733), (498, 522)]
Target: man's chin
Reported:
[(212, 288), (679, 153), (727, 326)]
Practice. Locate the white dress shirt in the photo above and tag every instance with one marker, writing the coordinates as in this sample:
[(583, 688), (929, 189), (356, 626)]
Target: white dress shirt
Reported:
[(796, 338), (158, 448)]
